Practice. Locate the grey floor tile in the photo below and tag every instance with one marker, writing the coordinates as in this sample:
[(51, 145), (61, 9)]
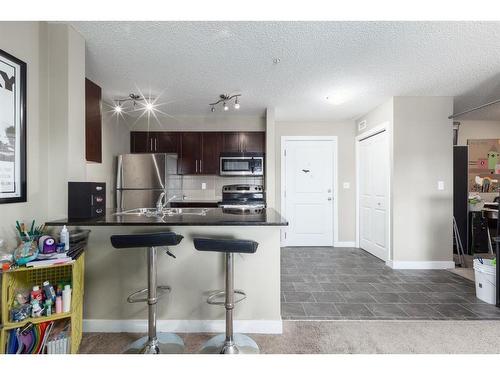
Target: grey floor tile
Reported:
[(353, 310), (446, 297), (415, 287), (358, 297), (381, 297), (334, 287), (470, 297), (292, 309), (292, 278), (287, 287), (388, 287), (483, 310), (453, 310), (420, 310), (362, 287), (418, 298), (328, 297), (307, 287), (386, 310), (320, 309), (298, 297), (443, 287)]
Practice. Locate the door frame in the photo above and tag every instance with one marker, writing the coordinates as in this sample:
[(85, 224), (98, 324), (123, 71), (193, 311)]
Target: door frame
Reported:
[(334, 140), (383, 127)]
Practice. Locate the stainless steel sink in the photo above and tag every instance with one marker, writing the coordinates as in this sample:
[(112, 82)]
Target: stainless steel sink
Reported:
[(150, 212)]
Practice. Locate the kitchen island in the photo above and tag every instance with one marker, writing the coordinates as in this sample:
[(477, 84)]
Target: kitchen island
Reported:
[(112, 274)]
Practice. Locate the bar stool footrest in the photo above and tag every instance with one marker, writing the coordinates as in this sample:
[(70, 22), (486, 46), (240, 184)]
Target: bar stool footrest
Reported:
[(212, 298), (142, 295)]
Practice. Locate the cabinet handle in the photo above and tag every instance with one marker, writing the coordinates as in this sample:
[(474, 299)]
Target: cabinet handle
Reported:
[(201, 166), (156, 144), (151, 144), (196, 165)]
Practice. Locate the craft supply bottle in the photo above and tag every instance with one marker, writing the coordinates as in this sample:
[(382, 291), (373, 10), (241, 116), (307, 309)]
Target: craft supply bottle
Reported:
[(48, 307), (66, 298), (49, 291), (64, 238), (58, 304), (36, 294)]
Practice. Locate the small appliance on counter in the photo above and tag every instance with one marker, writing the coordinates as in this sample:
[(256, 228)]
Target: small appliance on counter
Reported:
[(86, 200), (244, 198), (241, 164), (141, 178)]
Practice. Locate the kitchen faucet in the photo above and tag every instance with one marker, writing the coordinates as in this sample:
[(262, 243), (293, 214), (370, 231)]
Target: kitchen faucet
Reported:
[(161, 203)]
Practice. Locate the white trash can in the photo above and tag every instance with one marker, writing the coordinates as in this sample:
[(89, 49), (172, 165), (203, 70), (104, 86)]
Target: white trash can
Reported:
[(485, 276)]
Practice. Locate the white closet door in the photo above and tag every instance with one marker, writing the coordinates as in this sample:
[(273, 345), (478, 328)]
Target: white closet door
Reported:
[(309, 193), (373, 187)]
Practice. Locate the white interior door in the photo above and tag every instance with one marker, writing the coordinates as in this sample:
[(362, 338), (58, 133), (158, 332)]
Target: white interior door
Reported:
[(309, 192), (373, 199)]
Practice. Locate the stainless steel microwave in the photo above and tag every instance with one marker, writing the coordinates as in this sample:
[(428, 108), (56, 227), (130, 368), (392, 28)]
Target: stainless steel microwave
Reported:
[(241, 164)]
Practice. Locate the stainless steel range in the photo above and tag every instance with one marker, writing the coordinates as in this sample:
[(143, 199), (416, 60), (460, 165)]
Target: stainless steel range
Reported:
[(244, 197)]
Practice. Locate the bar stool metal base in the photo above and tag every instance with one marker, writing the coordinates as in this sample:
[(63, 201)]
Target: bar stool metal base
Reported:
[(165, 343), (241, 344)]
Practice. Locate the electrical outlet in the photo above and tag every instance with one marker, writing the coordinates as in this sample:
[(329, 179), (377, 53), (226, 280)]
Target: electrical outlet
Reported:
[(203, 186), (440, 185), (346, 185)]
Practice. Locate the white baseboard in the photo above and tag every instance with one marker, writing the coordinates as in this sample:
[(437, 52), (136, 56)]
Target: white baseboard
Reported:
[(344, 244), (185, 326), (422, 265)]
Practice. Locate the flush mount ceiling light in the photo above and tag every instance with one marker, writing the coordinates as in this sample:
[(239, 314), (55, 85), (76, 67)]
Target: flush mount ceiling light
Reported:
[(225, 100), (132, 101), (338, 99)]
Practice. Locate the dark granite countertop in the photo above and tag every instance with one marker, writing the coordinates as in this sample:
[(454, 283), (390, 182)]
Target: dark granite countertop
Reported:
[(213, 217)]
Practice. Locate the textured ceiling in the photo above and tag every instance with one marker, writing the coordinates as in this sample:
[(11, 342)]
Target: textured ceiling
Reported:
[(361, 63)]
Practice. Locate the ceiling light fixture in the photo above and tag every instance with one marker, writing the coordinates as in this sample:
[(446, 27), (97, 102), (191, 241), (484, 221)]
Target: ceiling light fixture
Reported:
[(225, 99), (339, 98), (133, 99)]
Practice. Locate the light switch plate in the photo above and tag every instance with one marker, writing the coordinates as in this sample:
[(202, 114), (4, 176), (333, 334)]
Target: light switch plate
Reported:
[(440, 185), (203, 186), (346, 185)]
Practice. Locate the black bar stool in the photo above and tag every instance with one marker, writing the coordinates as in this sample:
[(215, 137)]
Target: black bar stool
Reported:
[(154, 343), (228, 343)]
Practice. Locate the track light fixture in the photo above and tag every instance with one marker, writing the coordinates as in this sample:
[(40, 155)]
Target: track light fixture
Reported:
[(225, 99), (133, 99)]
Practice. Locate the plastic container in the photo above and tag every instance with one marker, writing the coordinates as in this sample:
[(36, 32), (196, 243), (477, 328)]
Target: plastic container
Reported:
[(66, 298), (64, 238), (485, 276)]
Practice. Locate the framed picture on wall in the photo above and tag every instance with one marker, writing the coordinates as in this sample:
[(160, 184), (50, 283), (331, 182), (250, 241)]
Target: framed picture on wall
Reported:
[(12, 129)]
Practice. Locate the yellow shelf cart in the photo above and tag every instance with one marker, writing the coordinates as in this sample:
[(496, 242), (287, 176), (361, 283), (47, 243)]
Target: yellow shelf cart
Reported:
[(25, 278)]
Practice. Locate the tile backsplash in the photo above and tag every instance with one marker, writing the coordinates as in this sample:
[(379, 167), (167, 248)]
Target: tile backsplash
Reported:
[(191, 186)]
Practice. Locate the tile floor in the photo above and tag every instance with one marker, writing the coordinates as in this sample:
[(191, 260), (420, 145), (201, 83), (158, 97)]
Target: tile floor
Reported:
[(320, 283)]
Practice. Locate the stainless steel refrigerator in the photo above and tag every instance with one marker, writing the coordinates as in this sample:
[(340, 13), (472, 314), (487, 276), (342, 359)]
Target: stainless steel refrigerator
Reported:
[(141, 178)]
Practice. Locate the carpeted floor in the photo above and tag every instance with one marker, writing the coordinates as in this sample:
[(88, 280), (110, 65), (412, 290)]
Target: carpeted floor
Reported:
[(361, 337)]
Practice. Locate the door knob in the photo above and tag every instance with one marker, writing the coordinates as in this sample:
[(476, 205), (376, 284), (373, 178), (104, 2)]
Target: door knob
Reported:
[(329, 198)]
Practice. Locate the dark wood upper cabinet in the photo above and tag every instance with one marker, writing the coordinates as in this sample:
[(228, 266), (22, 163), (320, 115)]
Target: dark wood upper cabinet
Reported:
[(93, 122), (141, 142), (253, 141), (231, 142), (190, 153), (199, 152), (210, 154), (167, 142)]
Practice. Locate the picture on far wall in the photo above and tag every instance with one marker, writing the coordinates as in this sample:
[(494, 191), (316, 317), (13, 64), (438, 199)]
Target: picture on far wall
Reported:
[(12, 129), (484, 165)]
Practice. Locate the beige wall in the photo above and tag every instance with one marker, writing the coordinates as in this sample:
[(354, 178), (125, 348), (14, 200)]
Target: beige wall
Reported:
[(212, 122), (478, 130), (66, 96), (346, 166), (423, 155), (115, 141), (27, 41)]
